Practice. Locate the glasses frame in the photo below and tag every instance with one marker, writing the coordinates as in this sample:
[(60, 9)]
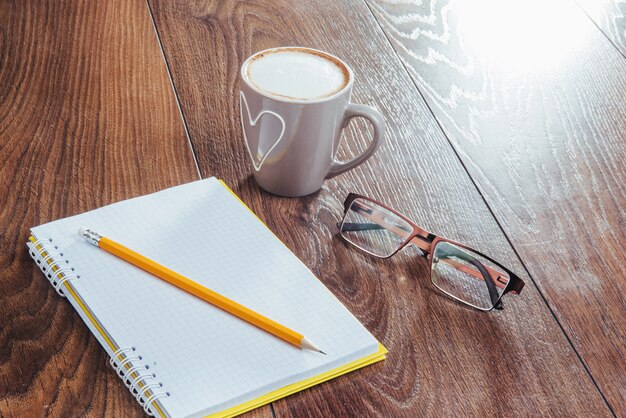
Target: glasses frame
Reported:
[(427, 241)]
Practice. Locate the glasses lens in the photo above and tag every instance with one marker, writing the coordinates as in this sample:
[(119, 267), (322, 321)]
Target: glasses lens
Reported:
[(373, 228), (467, 276)]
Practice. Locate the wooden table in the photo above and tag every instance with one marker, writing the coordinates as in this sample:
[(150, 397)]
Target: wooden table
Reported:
[(507, 129)]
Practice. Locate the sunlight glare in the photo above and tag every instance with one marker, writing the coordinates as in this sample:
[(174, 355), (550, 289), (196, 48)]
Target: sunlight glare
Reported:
[(520, 35)]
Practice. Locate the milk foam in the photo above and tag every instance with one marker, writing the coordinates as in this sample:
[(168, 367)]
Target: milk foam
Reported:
[(296, 74)]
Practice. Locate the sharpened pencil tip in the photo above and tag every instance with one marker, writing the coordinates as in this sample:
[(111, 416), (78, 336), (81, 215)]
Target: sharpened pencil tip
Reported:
[(308, 345)]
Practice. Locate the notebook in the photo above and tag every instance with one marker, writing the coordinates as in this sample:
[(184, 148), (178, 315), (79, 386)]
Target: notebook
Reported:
[(178, 355)]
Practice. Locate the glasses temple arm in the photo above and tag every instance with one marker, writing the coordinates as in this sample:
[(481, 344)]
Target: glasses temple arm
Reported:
[(491, 286), (354, 226), (476, 274)]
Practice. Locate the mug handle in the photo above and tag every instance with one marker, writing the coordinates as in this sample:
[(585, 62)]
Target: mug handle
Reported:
[(377, 121)]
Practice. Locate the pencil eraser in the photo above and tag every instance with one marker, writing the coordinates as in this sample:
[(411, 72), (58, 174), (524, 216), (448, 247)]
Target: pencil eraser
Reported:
[(81, 231)]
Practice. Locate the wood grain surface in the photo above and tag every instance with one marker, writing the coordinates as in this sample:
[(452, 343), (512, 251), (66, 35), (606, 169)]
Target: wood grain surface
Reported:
[(87, 117), (537, 116), (610, 17), (444, 359)]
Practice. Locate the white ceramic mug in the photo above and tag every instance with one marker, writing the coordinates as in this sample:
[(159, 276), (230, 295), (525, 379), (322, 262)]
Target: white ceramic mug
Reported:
[(292, 141)]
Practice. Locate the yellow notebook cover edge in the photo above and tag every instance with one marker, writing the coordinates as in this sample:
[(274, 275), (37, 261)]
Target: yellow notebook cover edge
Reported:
[(302, 385)]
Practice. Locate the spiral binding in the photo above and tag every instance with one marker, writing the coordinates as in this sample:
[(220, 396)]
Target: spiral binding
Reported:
[(53, 259), (126, 361)]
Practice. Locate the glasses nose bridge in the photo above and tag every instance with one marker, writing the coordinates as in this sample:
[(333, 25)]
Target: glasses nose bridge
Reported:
[(422, 243), (423, 239)]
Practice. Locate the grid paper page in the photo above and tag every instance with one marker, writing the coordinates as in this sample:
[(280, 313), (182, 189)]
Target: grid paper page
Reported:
[(207, 359)]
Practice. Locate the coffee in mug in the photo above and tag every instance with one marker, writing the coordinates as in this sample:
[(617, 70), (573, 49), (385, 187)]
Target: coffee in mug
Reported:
[(294, 104), (296, 74)]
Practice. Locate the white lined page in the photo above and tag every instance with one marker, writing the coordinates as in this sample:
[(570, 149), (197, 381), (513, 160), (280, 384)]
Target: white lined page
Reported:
[(207, 359)]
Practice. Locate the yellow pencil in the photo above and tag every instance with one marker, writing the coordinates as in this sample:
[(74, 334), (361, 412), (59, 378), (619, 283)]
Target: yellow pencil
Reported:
[(198, 290)]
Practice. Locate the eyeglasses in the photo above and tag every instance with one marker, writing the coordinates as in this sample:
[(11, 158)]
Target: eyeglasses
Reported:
[(456, 269)]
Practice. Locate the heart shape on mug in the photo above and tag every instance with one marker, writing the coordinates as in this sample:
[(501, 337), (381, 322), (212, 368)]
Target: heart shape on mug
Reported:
[(257, 161)]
